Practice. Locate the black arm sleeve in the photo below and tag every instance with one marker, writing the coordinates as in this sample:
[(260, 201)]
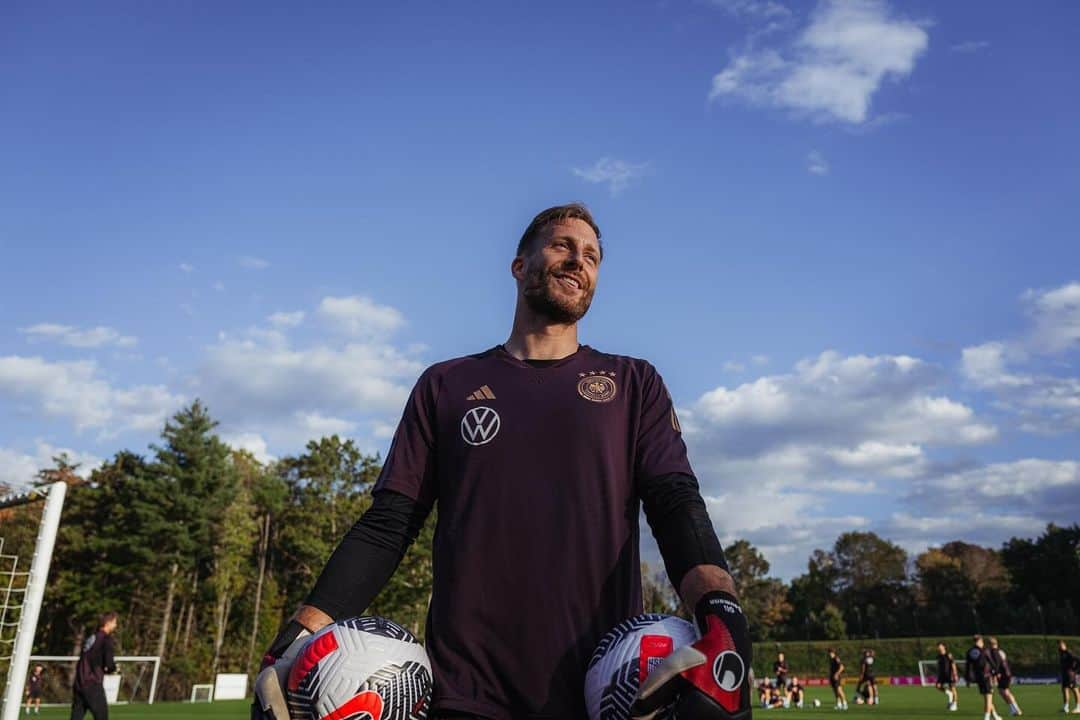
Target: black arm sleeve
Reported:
[(368, 555), (108, 659), (680, 523)]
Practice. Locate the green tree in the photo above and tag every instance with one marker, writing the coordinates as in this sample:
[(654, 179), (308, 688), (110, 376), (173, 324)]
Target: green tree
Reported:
[(328, 490), (764, 599)]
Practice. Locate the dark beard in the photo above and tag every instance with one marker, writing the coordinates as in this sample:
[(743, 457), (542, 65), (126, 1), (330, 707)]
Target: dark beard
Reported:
[(542, 301)]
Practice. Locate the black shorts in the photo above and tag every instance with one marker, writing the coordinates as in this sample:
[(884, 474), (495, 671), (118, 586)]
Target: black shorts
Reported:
[(1004, 681), (35, 693), (945, 680), (1068, 680), (985, 688), (869, 680), (834, 684)]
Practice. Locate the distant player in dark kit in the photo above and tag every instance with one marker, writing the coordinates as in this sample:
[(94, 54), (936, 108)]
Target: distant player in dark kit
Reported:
[(980, 672), (1003, 676), (836, 679), (867, 683), (1069, 668), (780, 670), (34, 689), (946, 676), (95, 661), (539, 453)]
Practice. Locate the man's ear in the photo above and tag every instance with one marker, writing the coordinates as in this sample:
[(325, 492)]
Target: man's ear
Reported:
[(517, 267)]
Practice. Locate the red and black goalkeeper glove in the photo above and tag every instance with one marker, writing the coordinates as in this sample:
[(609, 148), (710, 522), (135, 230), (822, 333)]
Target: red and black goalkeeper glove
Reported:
[(710, 679), (270, 701)]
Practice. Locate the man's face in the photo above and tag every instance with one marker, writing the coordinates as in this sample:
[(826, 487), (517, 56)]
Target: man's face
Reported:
[(941, 649), (558, 273), (110, 626)]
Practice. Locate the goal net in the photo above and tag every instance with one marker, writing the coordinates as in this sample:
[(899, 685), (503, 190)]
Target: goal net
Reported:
[(202, 692), (928, 673), (135, 679), (27, 535)]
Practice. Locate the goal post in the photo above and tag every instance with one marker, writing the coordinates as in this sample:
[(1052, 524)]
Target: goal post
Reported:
[(928, 673), (23, 592), (131, 686), (202, 692)]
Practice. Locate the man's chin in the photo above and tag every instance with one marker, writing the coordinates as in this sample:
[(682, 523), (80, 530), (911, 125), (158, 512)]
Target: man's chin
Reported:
[(557, 312)]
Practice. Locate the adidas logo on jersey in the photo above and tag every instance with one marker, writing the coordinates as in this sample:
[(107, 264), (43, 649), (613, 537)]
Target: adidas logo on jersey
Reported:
[(484, 393)]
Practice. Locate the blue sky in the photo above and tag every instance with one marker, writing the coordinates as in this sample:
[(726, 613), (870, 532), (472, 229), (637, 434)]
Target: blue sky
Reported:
[(845, 232)]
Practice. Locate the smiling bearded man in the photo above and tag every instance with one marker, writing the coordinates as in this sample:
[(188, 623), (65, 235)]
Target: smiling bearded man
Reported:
[(539, 453)]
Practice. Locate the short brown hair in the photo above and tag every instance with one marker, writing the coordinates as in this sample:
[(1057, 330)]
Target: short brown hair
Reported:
[(570, 211), (106, 617)]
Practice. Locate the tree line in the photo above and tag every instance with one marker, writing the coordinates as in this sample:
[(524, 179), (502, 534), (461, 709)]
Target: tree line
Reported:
[(866, 586), (204, 551)]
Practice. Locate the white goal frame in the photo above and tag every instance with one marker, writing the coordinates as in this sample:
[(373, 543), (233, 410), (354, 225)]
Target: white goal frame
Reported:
[(202, 686), (32, 593), (156, 659), (929, 677)]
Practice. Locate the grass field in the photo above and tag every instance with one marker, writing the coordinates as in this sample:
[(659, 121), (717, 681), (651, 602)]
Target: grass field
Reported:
[(1037, 701)]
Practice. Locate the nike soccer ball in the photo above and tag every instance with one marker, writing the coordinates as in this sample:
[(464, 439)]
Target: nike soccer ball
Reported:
[(366, 668), (817, 703), (624, 658)]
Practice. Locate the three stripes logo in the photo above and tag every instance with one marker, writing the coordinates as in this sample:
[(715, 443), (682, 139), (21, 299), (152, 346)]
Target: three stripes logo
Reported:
[(484, 393), (480, 425)]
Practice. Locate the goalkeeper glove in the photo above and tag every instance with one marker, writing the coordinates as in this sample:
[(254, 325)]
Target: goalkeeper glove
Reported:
[(270, 701), (710, 679)]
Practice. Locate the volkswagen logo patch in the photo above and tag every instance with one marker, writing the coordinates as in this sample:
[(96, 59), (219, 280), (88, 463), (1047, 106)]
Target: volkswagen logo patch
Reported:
[(480, 425)]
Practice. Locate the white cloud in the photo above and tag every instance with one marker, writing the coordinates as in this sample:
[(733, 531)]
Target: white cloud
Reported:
[(760, 359), (18, 470), (319, 425), (1014, 372), (286, 319), (832, 70), (970, 46), (186, 267), (1056, 319), (360, 316), (253, 263), (260, 383), (99, 336), (75, 391), (252, 443), (616, 174), (816, 164), (836, 399), (990, 503), (783, 456), (757, 9)]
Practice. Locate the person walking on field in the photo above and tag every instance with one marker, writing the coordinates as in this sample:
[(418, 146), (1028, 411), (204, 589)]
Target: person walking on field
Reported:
[(980, 671), (96, 660), (947, 676), (539, 453), (1003, 675)]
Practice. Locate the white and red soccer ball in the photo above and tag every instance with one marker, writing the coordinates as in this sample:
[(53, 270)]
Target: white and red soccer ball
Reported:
[(624, 658), (366, 668)]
